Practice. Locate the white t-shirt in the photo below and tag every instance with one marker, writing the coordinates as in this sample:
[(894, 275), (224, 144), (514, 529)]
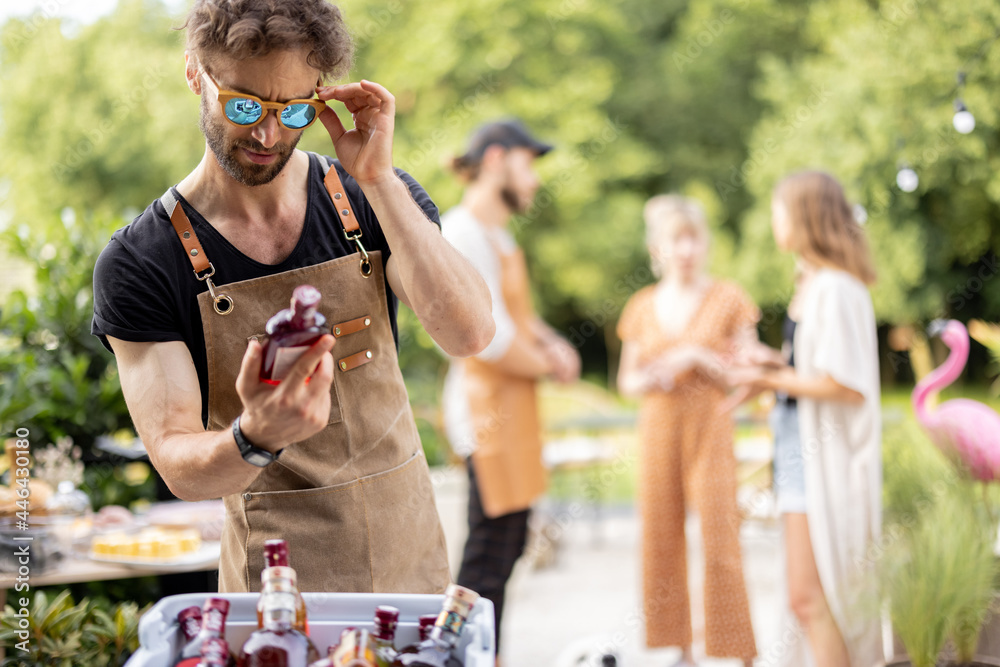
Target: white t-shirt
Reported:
[(473, 239)]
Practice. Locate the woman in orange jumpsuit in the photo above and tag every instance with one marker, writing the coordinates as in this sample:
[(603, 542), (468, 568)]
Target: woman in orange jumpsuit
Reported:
[(676, 337)]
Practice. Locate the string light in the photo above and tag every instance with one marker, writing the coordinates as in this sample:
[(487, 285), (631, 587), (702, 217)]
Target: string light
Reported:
[(963, 120), (907, 179)]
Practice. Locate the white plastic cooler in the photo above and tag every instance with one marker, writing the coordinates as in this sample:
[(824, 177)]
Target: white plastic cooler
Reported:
[(329, 613)]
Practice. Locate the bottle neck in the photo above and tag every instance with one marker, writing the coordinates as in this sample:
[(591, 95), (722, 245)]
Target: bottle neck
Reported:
[(213, 623), (278, 611), (448, 628)]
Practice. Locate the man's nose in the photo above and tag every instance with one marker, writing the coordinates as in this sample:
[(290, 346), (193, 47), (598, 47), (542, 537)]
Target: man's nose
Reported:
[(268, 130)]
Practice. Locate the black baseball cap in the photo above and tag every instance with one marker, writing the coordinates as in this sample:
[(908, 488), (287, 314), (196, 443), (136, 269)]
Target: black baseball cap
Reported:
[(507, 133)]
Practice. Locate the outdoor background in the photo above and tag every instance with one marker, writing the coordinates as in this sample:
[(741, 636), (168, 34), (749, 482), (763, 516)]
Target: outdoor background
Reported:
[(716, 99)]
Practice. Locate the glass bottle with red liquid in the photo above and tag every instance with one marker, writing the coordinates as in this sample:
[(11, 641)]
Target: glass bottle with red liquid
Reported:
[(215, 653), (278, 643), (213, 626), (278, 576), (291, 332), (384, 635), (437, 649)]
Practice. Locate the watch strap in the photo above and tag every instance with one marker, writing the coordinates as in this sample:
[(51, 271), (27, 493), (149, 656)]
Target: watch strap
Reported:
[(250, 452)]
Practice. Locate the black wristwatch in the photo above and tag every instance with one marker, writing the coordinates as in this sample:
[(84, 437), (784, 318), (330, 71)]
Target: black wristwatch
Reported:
[(251, 454)]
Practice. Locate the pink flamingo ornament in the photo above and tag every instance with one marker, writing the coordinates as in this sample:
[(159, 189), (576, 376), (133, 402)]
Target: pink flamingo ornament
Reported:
[(961, 428)]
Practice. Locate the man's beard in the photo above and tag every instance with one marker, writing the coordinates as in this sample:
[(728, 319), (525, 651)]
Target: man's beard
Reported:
[(513, 202), (226, 150)]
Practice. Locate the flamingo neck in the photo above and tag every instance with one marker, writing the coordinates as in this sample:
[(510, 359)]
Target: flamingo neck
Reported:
[(940, 377)]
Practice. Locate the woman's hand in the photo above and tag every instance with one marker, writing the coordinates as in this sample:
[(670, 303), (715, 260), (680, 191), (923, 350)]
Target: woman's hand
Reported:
[(365, 151)]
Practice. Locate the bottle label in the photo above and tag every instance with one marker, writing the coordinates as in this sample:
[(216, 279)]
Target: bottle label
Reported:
[(267, 656), (284, 359), (451, 621)]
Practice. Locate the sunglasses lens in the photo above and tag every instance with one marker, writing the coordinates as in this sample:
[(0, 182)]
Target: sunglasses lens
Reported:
[(243, 111), (297, 116)]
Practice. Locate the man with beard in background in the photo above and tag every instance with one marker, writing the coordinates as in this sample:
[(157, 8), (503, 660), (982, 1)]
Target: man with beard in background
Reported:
[(491, 410)]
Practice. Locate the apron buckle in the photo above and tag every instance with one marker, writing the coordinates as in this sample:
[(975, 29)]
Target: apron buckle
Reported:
[(366, 265), (222, 302)]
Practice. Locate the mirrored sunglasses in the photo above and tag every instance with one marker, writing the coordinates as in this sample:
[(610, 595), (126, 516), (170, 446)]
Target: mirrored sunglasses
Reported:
[(244, 110)]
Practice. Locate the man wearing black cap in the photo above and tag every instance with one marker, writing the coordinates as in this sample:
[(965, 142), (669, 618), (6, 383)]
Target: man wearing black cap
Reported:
[(490, 405)]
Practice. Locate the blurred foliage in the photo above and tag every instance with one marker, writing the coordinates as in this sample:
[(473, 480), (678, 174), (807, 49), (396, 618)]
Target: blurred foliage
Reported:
[(58, 379), (64, 634)]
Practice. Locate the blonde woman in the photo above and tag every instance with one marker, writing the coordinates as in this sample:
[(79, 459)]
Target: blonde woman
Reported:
[(673, 334), (835, 381)]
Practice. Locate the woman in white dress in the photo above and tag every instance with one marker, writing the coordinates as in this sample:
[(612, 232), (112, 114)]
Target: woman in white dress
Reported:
[(835, 382)]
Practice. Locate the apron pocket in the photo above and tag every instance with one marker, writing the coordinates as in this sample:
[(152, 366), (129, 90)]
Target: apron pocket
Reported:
[(380, 533)]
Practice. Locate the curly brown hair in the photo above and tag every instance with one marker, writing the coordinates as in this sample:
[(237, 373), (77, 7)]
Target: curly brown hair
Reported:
[(241, 29)]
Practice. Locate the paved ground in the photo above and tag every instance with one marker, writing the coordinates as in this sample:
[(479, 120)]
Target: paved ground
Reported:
[(589, 595)]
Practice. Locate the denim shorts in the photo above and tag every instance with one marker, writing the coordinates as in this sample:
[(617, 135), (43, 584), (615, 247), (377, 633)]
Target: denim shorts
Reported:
[(789, 469)]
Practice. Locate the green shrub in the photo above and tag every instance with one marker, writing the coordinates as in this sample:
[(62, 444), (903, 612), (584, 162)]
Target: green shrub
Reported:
[(64, 634)]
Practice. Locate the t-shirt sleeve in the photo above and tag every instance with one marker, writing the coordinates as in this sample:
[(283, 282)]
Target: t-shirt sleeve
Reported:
[(841, 338), (127, 303), (421, 197), (469, 241), (629, 323)]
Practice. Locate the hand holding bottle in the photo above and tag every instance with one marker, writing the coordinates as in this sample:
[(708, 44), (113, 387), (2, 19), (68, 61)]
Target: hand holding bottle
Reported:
[(274, 416)]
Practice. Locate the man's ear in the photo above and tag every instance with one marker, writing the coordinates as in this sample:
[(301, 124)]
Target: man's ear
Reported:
[(191, 72), (493, 158)]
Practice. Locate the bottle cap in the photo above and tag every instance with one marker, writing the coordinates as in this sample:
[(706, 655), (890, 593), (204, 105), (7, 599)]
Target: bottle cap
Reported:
[(386, 620), (386, 614), (427, 620), (190, 621), (220, 604), (276, 553), (306, 295)]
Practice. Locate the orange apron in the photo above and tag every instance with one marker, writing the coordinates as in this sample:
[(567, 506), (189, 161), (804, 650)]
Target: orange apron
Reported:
[(354, 501), (504, 411)]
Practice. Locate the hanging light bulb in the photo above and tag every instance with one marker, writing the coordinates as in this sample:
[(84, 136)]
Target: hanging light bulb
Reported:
[(907, 179), (963, 121)]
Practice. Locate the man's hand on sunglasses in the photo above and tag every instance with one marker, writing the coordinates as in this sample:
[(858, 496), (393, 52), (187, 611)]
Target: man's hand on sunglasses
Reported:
[(365, 151)]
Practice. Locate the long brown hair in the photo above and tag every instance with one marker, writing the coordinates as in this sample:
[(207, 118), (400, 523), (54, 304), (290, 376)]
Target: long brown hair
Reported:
[(824, 230)]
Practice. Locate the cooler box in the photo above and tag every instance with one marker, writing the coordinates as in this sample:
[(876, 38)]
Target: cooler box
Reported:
[(329, 613)]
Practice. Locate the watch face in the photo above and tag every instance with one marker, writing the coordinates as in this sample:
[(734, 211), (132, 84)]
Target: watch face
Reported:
[(258, 458)]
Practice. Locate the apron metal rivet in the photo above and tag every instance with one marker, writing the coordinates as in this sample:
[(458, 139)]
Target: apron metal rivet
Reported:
[(368, 354), (336, 331), (367, 321), (194, 252), (247, 496), (187, 235), (337, 195), (343, 365), (345, 212)]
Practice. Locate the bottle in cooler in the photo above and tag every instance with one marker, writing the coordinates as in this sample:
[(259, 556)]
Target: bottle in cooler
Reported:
[(438, 649), (278, 576), (278, 643)]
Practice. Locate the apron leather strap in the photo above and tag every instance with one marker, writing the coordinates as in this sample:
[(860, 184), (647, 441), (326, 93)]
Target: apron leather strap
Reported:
[(352, 231), (203, 269)]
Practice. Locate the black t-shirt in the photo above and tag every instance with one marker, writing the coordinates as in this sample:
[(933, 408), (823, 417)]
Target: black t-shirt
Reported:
[(145, 289)]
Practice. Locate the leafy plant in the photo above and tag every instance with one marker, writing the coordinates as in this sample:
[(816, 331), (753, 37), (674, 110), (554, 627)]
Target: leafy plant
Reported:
[(939, 569), (64, 634), (989, 335)]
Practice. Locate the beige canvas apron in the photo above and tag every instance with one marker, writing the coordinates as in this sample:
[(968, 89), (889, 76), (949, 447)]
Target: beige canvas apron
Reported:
[(504, 411), (354, 501)]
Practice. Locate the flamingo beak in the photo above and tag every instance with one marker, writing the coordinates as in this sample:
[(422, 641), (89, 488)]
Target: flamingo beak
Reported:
[(937, 327)]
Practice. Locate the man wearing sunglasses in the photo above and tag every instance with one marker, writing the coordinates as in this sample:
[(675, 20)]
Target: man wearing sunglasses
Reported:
[(328, 459)]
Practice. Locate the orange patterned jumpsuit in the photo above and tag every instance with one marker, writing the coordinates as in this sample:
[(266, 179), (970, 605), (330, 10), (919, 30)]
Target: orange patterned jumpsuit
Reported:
[(687, 461)]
